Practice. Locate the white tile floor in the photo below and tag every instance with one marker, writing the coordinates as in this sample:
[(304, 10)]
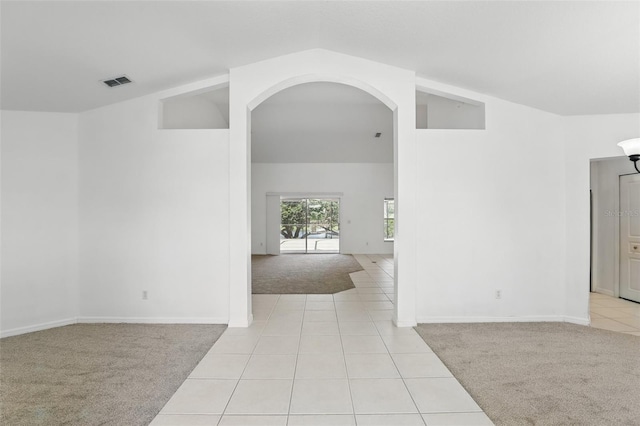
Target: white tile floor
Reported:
[(610, 313), (322, 359)]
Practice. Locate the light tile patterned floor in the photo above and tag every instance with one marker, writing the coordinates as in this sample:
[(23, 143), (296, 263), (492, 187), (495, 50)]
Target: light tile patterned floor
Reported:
[(610, 313), (323, 360)]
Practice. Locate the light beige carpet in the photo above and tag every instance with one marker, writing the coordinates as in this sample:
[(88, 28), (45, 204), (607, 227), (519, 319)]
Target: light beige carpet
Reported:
[(95, 374), (543, 373), (302, 273)]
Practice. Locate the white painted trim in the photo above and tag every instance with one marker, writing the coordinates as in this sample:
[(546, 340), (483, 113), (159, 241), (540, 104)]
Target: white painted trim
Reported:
[(401, 324), (616, 237), (242, 324), (308, 194), (579, 321), (321, 77), (594, 176), (604, 291), (37, 327), (153, 320), (97, 320), (532, 318)]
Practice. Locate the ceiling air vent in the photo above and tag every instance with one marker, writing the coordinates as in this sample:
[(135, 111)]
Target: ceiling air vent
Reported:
[(118, 81)]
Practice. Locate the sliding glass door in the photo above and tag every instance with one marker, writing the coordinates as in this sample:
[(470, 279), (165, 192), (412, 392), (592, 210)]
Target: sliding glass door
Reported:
[(293, 226), (310, 225)]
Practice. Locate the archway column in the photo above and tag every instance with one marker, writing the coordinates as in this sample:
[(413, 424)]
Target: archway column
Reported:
[(252, 84)]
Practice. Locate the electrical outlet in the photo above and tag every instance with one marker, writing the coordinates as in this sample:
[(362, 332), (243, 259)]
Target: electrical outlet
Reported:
[(498, 294), (144, 295)]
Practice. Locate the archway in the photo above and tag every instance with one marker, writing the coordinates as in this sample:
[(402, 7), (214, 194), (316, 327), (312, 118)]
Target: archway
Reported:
[(250, 86), (321, 173)]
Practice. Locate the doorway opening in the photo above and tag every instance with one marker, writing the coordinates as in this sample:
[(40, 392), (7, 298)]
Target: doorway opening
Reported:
[(615, 229), (615, 245), (309, 225), (322, 164)]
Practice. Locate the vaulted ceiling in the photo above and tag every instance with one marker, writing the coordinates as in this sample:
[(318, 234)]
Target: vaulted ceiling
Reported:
[(564, 57), (322, 123)]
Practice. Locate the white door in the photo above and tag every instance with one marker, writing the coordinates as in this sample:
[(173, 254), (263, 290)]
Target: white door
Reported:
[(630, 237)]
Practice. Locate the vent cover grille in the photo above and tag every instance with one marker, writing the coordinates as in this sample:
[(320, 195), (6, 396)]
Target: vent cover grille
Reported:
[(118, 81)]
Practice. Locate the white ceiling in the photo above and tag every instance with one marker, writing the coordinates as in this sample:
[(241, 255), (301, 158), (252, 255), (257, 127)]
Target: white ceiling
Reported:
[(559, 56), (321, 123)]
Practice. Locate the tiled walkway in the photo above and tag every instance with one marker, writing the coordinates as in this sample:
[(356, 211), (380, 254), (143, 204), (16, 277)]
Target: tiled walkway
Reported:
[(614, 314), (323, 360)]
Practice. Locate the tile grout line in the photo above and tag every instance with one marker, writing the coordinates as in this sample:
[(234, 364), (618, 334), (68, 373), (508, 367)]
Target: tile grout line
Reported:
[(248, 361), (295, 367), (594, 304), (346, 368), (404, 383)]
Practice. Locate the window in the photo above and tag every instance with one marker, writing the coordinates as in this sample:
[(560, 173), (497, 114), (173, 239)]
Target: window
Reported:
[(389, 219)]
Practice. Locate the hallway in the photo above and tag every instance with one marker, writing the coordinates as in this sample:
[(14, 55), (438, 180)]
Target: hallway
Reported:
[(323, 360)]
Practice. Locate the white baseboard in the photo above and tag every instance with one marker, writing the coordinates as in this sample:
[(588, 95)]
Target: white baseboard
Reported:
[(241, 323), (153, 320), (531, 318), (577, 320), (604, 291), (37, 327), (400, 324), (96, 320)]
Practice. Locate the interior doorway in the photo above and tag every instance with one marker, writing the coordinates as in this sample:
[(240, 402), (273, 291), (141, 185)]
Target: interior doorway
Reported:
[(322, 165), (615, 229), (309, 225), (258, 86)]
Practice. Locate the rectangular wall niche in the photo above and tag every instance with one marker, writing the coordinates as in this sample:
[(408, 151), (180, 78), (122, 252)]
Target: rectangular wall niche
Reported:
[(208, 109), (442, 112)]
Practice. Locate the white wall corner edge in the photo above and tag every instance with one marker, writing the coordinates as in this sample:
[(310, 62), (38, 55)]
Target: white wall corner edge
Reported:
[(37, 327), (401, 324), (241, 323)]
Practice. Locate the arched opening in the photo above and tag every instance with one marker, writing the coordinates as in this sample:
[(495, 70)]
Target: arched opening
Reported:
[(327, 140), (252, 84)]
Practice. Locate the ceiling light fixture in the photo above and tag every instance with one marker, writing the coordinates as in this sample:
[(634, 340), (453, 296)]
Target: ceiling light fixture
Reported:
[(631, 148)]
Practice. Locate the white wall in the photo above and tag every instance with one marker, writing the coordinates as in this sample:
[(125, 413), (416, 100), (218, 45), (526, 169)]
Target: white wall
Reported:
[(605, 187), (192, 112), (491, 204), (153, 217), (166, 211), (586, 138), (39, 221), (364, 187)]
